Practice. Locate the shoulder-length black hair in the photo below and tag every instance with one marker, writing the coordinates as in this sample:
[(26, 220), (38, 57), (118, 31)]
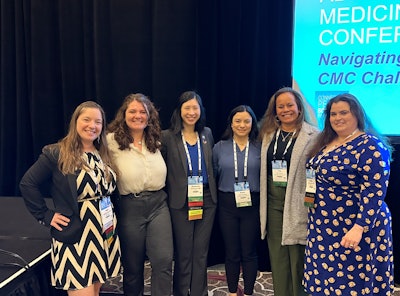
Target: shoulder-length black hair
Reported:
[(176, 119), (228, 134)]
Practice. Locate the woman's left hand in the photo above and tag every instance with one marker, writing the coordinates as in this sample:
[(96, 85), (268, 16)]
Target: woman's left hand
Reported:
[(353, 237)]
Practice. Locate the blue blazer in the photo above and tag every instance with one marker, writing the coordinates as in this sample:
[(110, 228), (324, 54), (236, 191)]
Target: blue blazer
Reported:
[(174, 155)]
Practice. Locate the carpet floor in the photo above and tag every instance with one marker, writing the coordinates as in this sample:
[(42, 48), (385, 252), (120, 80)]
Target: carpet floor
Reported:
[(217, 285)]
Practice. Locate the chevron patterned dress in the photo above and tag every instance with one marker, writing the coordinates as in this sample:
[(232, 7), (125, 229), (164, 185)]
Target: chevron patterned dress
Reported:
[(92, 259)]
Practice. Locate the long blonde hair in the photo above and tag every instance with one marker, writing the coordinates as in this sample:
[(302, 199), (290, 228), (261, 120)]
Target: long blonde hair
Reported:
[(71, 147)]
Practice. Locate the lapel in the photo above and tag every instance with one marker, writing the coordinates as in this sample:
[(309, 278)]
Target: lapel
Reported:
[(298, 150), (204, 146), (181, 152), (264, 146), (72, 188)]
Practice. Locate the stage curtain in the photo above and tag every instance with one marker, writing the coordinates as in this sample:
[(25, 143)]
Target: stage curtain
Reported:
[(56, 54)]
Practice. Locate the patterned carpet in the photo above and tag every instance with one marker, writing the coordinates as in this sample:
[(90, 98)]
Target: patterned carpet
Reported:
[(216, 283)]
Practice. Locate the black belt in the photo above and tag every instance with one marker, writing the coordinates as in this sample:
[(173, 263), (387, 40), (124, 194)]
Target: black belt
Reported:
[(138, 195)]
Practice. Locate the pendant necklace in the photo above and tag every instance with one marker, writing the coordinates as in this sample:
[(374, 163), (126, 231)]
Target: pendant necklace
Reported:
[(285, 137)]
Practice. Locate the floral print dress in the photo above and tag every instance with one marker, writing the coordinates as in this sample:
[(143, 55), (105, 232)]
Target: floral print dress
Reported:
[(352, 181)]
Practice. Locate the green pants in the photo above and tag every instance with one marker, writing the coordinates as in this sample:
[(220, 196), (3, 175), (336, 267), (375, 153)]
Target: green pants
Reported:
[(287, 262)]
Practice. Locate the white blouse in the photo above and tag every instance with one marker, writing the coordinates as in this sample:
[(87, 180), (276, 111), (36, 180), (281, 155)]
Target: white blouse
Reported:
[(138, 170)]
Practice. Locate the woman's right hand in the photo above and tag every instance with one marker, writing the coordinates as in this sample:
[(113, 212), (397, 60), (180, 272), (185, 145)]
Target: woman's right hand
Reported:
[(59, 219)]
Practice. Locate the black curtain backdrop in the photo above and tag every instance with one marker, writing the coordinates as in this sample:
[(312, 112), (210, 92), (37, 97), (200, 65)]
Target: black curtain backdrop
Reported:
[(57, 54)]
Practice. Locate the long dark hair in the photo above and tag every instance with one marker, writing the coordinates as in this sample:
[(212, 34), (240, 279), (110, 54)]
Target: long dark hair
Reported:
[(228, 134), (176, 119), (364, 124), (269, 122)]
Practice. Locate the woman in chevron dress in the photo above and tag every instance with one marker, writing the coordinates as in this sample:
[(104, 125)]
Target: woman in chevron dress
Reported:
[(85, 249)]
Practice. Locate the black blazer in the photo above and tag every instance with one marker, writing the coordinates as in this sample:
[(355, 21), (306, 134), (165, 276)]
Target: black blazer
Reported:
[(174, 155), (63, 188)]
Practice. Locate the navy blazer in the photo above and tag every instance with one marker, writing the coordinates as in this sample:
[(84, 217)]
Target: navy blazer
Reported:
[(63, 189), (174, 155)]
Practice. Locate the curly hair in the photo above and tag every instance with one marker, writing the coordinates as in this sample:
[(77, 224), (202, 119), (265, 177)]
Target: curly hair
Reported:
[(152, 132)]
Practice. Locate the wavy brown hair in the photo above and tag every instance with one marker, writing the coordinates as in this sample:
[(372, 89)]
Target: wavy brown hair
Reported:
[(71, 147), (363, 123), (152, 132)]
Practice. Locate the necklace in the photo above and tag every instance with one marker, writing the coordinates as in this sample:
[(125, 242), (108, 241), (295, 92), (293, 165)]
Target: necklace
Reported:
[(349, 136), (334, 146), (285, 137)]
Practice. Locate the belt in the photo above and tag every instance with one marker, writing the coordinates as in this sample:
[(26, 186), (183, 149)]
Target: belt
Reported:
[(94, 198), (138, 195)]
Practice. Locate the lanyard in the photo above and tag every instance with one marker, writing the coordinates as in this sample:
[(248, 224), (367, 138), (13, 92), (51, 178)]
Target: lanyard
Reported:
[(318, 159), (245, 161), (287, 145), (188, 155)]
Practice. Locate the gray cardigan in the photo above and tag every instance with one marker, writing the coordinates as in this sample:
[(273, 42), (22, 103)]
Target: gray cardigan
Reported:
[(295, 213)]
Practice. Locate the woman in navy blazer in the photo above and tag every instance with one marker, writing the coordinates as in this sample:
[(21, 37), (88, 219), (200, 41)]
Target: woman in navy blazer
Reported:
[(79, 169), (187, 150)]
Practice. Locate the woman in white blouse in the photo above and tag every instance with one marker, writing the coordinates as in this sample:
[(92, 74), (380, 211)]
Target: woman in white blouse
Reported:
[(142, 210)]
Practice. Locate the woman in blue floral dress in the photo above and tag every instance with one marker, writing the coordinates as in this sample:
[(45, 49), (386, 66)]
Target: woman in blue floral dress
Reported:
[(349, 247)]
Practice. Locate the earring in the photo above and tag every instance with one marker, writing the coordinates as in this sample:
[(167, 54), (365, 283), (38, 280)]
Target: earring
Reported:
[(98, 139), (277, 118)]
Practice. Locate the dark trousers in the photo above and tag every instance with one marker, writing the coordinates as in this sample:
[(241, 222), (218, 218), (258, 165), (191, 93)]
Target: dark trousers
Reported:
[(192, 239), (287, 262), (144, 228), (240, 229)]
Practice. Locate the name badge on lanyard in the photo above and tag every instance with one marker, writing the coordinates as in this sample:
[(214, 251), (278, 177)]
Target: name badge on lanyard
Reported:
[(241, 189), (195, 198), (279, 172), (107, 218), (242, 194), (311, 188), (279, 167), (195, 191), (195, 185)]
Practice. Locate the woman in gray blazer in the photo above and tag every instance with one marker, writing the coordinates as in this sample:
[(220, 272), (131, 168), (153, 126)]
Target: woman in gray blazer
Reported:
[(286, 139), (187, 150)]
